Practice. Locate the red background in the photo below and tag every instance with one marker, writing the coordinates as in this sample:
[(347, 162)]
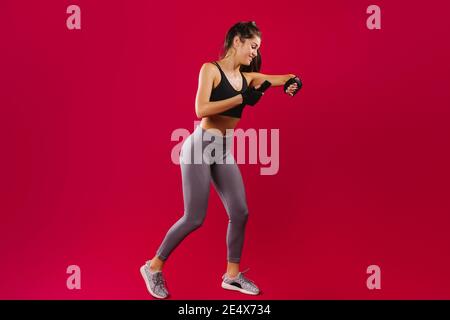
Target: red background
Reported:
[(87, 178)]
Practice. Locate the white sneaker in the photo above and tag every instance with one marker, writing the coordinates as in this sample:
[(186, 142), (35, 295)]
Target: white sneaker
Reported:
[(240, 283), (155, 282)]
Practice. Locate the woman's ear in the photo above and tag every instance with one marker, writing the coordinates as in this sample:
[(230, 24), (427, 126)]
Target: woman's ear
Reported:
[(236, 42)]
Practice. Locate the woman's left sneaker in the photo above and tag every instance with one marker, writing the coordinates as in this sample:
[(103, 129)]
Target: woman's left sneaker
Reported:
[(240, 283), (155, 282)]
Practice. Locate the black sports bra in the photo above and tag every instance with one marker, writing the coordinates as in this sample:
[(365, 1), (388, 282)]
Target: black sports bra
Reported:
[(225, 90)]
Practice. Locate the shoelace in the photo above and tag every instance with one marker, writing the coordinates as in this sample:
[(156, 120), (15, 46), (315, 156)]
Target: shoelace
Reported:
[(245, 270), (249, 280), (245, 278), (159, 279)]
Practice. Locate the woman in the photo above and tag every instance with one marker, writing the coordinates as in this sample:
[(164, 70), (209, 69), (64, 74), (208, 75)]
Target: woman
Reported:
[(225, 87)]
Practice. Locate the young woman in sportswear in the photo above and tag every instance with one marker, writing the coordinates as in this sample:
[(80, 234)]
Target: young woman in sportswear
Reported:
[(225, 87)]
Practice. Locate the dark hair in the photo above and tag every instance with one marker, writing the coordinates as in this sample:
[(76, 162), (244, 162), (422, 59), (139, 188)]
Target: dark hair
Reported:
[(245, 30)]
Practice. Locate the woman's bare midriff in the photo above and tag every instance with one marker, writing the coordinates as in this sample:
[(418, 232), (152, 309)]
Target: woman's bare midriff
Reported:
[(219, 122)]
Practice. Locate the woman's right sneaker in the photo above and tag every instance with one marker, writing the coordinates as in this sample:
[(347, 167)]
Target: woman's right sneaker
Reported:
[(240, 283), (155, 282)]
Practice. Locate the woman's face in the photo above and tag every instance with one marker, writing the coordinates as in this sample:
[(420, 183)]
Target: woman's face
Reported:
[(248, 50)]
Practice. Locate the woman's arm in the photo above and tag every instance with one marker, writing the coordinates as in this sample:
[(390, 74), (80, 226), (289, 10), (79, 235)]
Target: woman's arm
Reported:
[(257, 78), (204, 107)]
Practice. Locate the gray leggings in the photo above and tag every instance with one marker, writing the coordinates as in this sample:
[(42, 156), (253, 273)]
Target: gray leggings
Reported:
[(202, 162)]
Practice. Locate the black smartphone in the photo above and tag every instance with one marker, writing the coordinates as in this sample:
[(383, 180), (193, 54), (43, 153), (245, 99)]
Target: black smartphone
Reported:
[(264, 86)]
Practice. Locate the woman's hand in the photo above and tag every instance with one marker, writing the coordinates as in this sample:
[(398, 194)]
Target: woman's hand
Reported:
[(251, 96), (291, 89), (292, 86)]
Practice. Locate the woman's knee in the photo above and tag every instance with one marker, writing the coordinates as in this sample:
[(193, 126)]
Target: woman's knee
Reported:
[(239, 214), (193, 223)]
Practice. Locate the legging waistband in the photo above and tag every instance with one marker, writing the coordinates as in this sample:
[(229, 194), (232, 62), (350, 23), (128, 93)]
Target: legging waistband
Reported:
[(215, 135)]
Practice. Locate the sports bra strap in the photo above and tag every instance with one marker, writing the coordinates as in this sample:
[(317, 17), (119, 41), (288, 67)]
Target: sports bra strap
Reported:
[(217, 66)]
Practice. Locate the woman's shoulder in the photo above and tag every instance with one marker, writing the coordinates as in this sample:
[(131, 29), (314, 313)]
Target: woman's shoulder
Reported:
[(209, 64), (210, 67), (211, 72)]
